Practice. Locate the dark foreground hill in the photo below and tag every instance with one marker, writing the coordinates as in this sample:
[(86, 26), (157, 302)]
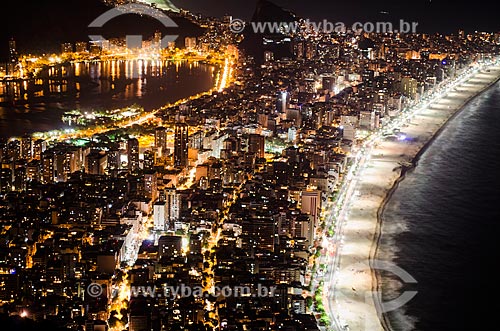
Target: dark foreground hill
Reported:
[(42, 26), (267, 11)]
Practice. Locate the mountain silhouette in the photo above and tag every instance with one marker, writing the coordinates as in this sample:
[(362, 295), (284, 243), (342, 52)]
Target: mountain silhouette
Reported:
[(266, 11), (41, 27), (252, 44)]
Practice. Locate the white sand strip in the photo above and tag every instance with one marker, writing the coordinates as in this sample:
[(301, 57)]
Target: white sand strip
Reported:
[(353, 301)]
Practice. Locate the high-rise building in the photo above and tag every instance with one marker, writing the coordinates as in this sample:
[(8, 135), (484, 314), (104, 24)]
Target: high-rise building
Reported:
[(196, 140), (292, 134), (311, 204), (133, 154), (39, 146), (294, 115), (10, 285), (3, 150), (60, 162), (95, 47), (13, 150), (113, 159), (309, 85), (81, 47), (268, 56), (172, 212), (159, 218), (48, 166), (259, 233), (281, 173), (13, 56), (328, 83), (282, 101), (161, 141), (298, 49), (151, 185), (33, 171), (367, 119), (97, 162), (408, 87), (67, 48), (26, 148), (169, 246), (5, 180), (256, 144), (310, 50), (190, 42), (181, 145), (303, 226), (149, 160), (139, 317), (157, 41)]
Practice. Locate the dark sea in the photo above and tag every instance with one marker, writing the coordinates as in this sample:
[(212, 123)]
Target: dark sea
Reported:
[(442, 225)]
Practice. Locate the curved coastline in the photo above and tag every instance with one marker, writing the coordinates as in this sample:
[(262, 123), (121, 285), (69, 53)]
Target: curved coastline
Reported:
[(376, 278), (355, 300)]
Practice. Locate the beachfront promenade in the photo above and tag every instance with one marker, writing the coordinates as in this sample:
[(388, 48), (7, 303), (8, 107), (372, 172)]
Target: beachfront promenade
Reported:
[(350, 282)]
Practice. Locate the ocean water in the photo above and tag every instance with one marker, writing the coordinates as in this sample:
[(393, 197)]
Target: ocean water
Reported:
[(442, 226)]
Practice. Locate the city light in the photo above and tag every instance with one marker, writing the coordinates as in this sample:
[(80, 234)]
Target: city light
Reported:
[(222, 159)]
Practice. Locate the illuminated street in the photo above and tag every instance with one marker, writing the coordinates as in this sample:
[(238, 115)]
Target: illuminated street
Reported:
[(169, 165), (350, 279)]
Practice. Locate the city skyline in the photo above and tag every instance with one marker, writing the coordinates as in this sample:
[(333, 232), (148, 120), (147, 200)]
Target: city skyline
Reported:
[(72, 23), (220, 176), (433, 16)]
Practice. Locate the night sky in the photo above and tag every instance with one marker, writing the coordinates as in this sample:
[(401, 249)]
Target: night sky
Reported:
[(433, 16)]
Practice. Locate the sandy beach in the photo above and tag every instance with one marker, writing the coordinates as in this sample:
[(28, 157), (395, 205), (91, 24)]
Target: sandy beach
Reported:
[(355, 298)]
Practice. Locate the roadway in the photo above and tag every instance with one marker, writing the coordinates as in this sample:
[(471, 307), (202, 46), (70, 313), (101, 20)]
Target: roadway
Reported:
[(338, 213)]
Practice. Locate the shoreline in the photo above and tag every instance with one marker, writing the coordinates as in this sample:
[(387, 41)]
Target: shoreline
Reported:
[(359, 302), (40, 119), (377, 284)]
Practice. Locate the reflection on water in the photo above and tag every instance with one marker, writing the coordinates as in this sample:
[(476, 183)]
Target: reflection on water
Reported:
[(37, 104)]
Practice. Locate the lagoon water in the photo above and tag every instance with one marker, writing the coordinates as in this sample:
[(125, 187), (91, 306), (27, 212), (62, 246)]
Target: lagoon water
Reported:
[(37, 104)]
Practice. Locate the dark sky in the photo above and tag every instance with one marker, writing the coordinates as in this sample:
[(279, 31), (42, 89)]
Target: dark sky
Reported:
[(434, 15)]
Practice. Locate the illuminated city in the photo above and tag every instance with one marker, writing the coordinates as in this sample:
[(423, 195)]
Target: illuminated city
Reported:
[(217, 173)]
